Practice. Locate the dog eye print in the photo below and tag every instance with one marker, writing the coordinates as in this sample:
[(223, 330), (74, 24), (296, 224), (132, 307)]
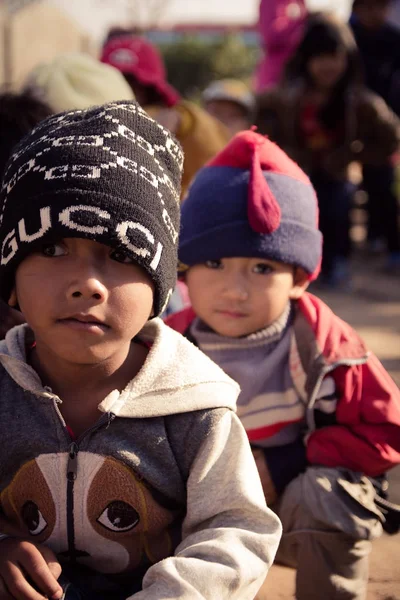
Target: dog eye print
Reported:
[(119, 516)]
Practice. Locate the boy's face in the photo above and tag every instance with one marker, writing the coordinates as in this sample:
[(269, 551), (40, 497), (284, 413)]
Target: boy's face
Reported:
[(372, 14), (231, 114), (84, 301), (239, 296), (327, 69)]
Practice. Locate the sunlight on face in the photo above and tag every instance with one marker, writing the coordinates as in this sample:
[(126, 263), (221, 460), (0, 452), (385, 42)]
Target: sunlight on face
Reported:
[(239, 296), (82, 299)]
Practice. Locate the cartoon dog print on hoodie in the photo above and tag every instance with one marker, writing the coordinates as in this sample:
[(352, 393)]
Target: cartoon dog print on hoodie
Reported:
[(107, 518)]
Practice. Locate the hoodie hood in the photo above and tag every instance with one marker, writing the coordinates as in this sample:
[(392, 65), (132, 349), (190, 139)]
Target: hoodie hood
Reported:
[(175, 378)]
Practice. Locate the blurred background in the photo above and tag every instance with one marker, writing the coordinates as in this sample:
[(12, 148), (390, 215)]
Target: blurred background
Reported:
[(32, 31)]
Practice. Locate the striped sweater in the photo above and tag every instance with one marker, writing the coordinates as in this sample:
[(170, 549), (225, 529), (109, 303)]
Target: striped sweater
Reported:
[(269, 405)]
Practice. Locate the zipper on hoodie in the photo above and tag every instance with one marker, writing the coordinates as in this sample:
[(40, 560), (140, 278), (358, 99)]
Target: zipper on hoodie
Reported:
[(346, 362), (74, 553), (72, 473)]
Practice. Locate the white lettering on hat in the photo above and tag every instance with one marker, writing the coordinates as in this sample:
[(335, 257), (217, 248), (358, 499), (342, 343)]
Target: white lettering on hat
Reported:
[(122, 230), (26, 167), (149, 176), (10, 242), (126, 133), (165, 180), (66, 140), (86, 171), (170, 226), (65, 218), (156, 259), (145, 145), (80, 140), (56, 172), (127, 163), (12, 182), (45, 225), (12, 245)]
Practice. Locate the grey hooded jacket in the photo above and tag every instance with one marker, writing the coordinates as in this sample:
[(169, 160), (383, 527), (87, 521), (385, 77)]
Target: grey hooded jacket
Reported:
[(162, 493)]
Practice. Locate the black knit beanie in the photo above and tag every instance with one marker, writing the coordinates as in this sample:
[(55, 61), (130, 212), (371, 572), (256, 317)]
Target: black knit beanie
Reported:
[(109, 174)]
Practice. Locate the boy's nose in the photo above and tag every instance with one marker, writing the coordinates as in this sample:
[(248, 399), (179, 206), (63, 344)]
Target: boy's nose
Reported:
[(88, 286), (236, 289), (90, 289)]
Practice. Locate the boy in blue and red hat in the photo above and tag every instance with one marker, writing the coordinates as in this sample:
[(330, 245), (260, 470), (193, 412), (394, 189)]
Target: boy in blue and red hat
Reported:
[(320, 411)]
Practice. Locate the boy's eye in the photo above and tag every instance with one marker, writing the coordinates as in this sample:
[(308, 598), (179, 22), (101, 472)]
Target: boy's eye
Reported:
[(213, 264), (54, 249), (262, 269), (121, 257)]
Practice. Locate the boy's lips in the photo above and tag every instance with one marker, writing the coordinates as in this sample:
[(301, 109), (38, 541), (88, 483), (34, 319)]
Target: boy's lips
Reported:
[(84, 322), (233, 314)]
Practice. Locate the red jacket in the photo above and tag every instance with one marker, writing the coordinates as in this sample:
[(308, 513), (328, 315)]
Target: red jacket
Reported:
[(366, 435)]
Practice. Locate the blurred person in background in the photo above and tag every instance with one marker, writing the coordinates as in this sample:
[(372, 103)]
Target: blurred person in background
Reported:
[(379, 45), (19, 113), (76, 81), (281, 25), (200, 134), (324, 118), (231, 102)]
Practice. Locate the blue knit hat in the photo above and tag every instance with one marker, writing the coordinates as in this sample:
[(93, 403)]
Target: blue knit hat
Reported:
[(251, 200)]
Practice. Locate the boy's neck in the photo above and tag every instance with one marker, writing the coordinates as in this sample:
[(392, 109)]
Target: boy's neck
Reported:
[(93, 381)]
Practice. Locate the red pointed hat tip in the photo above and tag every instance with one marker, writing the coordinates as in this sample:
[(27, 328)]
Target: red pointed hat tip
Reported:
[(238, 153), (263, 210), (245, 151)]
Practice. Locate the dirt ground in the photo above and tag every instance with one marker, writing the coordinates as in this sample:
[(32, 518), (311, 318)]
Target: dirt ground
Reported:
[(372, 307)]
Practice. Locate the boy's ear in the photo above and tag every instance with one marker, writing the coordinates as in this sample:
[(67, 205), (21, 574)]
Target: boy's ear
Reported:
[(301, 282), (13, 300)]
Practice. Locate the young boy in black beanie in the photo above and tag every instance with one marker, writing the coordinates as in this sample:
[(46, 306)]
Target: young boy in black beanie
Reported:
[(122, 461), (321, 413)]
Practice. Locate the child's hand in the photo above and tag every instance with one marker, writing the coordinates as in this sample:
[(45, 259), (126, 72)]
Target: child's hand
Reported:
[(21, 560), (266, 481)]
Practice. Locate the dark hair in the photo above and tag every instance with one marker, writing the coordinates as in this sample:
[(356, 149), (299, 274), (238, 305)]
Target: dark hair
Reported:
[(357, 3), (146, 95), (325, 34), (119, 31), (19, 113)]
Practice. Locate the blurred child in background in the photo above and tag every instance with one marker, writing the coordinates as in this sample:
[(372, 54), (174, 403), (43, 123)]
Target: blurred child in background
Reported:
[(200, 134), (379, 46), (281, 24), (74, 81), (325, 119), (231, 102)]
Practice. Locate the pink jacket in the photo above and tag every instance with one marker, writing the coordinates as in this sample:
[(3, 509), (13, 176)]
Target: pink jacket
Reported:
[(281, 26), (365, 435)]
